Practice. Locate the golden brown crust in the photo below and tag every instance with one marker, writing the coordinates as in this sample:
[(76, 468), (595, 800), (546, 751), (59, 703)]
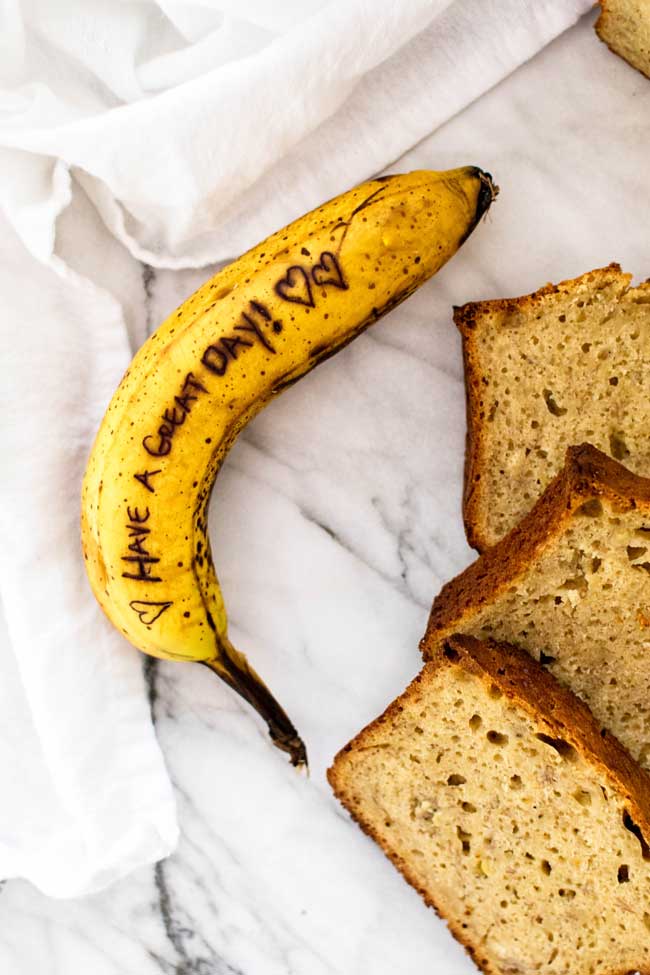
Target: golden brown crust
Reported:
[(470, 319), (588, 474), (606, 24), (553, 708), (474, 442), (593, 473), (602, 24)]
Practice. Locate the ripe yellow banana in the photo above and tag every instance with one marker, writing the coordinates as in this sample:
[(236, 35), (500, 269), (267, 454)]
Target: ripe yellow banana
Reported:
[(252, 330)]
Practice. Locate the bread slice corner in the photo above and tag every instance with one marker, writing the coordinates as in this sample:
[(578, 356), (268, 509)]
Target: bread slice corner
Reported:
[(495, 793), (566, 364), (624, 25)]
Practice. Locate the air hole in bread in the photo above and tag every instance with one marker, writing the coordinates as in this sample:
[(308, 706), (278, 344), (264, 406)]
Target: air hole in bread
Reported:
[(630, 825), (546, 658), (546, 867), (495, 692), (496, 738), (575, 584), (635, 552), (516, 782), (567, 892), (591, 509), (450, 653), (456, 779), (468, 807), (464, 838), (583, 797), (566, 751), (623, 875), (475, 722), (551, 404)]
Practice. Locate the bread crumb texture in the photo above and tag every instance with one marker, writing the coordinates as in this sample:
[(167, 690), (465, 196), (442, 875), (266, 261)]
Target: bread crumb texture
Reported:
[(509, 827), (570, 363), (624, 25)]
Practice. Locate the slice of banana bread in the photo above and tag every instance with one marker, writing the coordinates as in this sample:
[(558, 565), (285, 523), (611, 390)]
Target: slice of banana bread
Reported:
[(566, 364), (492, 790), (571, 585), (624, 25)]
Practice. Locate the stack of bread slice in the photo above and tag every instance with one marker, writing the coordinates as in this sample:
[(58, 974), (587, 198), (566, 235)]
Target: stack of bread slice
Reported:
[(510, 782)]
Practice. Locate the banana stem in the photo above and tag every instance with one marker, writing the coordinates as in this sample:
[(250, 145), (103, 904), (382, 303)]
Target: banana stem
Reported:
[(233, 668)]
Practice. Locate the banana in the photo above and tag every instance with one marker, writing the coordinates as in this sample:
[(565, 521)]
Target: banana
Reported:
[(252, 330)]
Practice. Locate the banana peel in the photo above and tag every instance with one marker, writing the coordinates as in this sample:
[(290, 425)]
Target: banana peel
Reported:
[(248, 333)]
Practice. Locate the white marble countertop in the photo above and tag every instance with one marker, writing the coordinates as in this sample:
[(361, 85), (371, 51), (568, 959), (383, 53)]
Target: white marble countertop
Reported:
[(334, 523)]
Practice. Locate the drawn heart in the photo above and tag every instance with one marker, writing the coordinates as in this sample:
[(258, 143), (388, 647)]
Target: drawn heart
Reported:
[(328, 271), (148, 612), (295, 286)]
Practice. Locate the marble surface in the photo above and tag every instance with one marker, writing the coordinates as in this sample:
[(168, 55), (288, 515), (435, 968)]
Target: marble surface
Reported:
[(334, 522)]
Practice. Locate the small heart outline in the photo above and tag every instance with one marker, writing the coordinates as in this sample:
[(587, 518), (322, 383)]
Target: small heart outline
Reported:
[(329, 265), (296, 277), (141, 606)]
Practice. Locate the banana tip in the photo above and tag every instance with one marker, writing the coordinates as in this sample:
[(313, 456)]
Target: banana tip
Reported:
[(487, 193), (294, 746)]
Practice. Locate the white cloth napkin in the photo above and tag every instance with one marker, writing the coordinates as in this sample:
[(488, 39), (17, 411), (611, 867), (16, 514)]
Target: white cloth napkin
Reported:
[(174, 133)]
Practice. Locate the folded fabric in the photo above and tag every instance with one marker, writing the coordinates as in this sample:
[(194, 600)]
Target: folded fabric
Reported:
[(176, 134)]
